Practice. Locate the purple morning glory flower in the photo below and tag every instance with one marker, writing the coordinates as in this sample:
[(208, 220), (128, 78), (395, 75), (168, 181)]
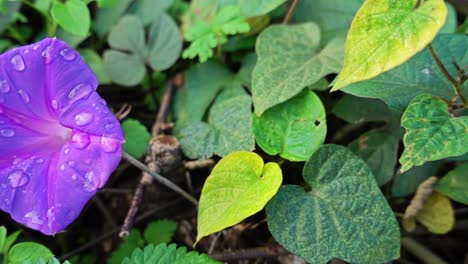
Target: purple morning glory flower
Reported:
[(58, 141)]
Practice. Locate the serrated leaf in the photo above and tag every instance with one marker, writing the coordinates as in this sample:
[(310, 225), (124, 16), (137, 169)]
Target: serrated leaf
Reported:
[(418, 75), (289, 59), (385, 34), (28, 251), (202, 83), (160, 231), (406, 183), (455, 184), (128, 35), (136, 137), (344, 215), (164, 43), (229, 21), (124, 69), (133, 242), (73, 16), (251, 8), (96, 64), (379, 149), (165, 254), (294, 129), (431, 132), (334, 17), (437, 215), (358, 109), (239, 186), (228, 128)]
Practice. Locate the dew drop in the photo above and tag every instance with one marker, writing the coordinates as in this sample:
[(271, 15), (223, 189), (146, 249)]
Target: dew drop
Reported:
[(7, 132), (40, 161), (62, 168), (46, 54), (83, 118), (36, 47), (18, 179), (71, 163), (109, 144), (54, 104), (4, 86), (74, 177), (109, 126), (67, 150), (18, 63), (34, 218), (24, 95), (68, 54), (80, 140), (80, 91), (7, 201), (4, 186), (90, 183)]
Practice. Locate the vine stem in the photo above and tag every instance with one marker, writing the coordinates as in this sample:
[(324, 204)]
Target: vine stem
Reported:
[(290, 12), (420, 251), (456, 84)]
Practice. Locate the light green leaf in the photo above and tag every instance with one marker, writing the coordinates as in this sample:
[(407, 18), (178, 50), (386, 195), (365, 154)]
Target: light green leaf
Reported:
[(203, 81), (294, 129), (229, 126), (130, 244), (451, 23), (437, 215), (245, 72), (358, 109), (106, 3), (3, 233), (418, 75), (239, 186), (379, 149), (128, 35), (431, 132), (43, 5), (251, 8), (96, 64), (334, 17), (455, 184), (124, 69), (165, 43), (406, 183), (385, 34), (160, 231), (106, 18), (73, 16), (290, 58), (165, 254), (136, 137), (344, 215), (71, 39), (28, 251), (10, 239)]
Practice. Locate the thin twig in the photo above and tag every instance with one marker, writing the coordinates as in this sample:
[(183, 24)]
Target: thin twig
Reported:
[(290, 12), (251, 253), (456, 84), (160, 178), (146, 178), (420, 251), (105, 212)]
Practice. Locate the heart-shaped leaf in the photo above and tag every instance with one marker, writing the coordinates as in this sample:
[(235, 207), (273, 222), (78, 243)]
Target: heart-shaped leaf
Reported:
[(386, 33), (455, 184), (289, 59), (294, 129), (73, 16), (437, 215), (418, 75), (239, 186), (344, 215), (431, 132), (407, 182), (136, 138)]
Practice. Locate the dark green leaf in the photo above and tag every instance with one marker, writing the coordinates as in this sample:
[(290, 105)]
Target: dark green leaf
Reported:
[(151, 10), (160, 231), (357, 109), (106, 18), (128, 35), (132, 242), (406, 183), (165, 43), (344, 215), (136, 138), (455, 184), (124, 69)]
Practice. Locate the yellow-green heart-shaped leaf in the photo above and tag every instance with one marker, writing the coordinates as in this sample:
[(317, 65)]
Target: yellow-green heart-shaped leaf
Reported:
[(239, 186), (386, 33), (437, 214)]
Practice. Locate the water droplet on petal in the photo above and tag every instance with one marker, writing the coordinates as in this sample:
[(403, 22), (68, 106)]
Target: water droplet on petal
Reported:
[(24, 95), (34, 218), (71, 163), (4, 86), (68, 54), (36, 47), (83, 118), (62, 168), (40, 160), (109, 144), (47, 55), (7, 132), (74, 177), (18, 179), (90, 183), (109, 126), (80, 140), (80, 91), (54, 104), (18, 63)]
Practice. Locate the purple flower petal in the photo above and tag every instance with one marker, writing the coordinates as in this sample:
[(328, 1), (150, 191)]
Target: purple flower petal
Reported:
[(58, 141)]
